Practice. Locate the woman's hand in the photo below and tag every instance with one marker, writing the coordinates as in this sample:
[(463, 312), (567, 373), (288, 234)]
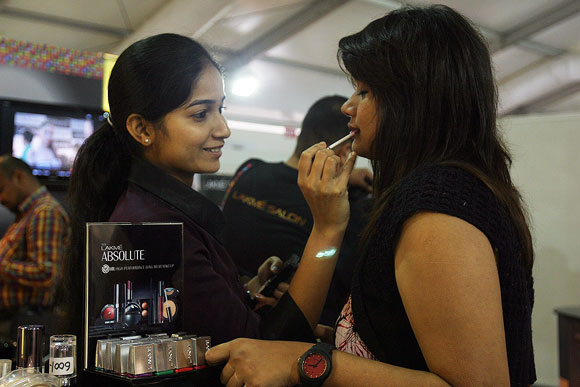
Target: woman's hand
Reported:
[(268, 269), (324, 183), (276, 295), (257, 362), (324, 333)]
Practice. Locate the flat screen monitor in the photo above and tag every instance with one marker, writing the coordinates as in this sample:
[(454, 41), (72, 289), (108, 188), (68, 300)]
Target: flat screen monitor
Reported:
[(48, 137)]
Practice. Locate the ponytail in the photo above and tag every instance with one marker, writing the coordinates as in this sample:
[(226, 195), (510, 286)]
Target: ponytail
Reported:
[(99, 176), (98, 179)]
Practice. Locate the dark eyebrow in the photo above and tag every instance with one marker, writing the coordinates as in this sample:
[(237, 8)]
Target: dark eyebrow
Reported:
[(204, 102)]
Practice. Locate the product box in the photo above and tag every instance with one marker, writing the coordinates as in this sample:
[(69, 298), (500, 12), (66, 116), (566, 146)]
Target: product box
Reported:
[(133, 280)]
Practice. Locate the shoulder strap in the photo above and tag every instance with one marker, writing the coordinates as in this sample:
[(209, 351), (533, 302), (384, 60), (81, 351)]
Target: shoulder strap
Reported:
[(241, 170)]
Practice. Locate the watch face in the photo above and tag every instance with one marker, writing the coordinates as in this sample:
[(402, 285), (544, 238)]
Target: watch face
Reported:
[(314, 365)]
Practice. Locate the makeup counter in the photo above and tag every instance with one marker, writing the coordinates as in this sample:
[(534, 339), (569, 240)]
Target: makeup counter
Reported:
[(133, 328), (156, 359)]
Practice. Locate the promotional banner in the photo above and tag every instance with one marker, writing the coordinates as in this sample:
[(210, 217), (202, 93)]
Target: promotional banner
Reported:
[(134, 276)]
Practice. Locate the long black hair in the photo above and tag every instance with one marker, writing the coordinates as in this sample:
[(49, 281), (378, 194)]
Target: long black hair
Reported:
[(152, 77), (431, 75), (323, 121)]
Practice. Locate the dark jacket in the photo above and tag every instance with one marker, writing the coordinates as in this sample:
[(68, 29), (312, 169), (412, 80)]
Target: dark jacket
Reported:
[(214, 300)]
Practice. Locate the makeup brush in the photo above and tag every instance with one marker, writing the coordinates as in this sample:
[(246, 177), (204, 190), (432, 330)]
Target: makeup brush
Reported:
[(167, 306), (337, 143)]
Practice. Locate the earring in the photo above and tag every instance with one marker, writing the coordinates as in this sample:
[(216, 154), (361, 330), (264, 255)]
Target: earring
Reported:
[(146, 141)]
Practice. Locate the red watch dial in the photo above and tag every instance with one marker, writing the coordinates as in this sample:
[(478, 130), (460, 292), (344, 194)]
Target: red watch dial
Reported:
[(314, 365)]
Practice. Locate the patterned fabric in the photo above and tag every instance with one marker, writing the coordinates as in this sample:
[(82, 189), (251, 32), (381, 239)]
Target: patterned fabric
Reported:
[(32, 252), (347, 340)]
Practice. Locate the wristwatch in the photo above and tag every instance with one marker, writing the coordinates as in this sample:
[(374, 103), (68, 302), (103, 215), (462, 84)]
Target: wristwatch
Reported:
[(315, 365)]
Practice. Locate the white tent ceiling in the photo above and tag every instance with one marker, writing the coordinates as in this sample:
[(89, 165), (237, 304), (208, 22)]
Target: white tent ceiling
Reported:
[(290, 45)]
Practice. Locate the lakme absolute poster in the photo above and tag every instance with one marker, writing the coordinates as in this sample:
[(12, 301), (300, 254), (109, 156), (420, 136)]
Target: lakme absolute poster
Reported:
[(134, 277)]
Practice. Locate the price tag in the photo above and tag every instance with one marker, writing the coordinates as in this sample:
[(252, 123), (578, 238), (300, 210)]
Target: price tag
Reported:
[(61, 366)]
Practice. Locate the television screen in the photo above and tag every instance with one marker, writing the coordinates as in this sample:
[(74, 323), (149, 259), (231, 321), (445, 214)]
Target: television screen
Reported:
[(48, 138)]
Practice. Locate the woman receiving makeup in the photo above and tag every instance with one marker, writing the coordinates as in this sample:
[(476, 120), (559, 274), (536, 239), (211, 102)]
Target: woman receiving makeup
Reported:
[(443, 291)]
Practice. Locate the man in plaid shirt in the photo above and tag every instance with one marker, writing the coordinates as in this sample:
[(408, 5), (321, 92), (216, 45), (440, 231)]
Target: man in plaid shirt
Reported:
[(32, 249)]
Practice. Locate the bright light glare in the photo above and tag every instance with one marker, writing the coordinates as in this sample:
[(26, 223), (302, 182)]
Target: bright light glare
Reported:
[(255, 127), (244, 86), (326, 253)]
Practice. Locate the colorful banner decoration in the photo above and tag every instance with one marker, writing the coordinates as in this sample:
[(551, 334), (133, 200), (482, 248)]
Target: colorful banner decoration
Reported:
[(52, 59)]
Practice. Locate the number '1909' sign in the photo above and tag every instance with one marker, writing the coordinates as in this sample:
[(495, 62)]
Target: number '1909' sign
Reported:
[(61, 366)]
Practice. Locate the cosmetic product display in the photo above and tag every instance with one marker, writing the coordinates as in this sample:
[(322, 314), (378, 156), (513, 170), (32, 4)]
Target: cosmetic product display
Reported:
[(134, 325), (127, 313), (155, 354), (30, 346), (63, 358)]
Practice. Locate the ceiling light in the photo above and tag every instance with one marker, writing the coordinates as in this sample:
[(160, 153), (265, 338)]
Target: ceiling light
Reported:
[(244, 86)]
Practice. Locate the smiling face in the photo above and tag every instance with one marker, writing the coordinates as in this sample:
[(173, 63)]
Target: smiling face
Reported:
[(362, 109), (191, 137)]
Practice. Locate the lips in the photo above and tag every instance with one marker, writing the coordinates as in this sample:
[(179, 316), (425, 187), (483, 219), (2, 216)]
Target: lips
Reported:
[(216, 149)]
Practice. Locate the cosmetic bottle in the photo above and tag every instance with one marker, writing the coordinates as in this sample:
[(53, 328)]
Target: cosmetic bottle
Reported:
[(29, 351), (63, 358)]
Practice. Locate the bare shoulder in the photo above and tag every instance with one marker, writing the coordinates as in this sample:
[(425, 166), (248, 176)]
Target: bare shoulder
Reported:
[(441, 236)]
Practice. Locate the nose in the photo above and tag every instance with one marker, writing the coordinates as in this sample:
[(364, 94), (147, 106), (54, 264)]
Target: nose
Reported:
[(347, 108), (223, 129)]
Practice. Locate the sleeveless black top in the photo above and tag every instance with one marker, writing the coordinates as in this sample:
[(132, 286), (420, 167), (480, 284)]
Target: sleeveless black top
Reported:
[(379, 315)]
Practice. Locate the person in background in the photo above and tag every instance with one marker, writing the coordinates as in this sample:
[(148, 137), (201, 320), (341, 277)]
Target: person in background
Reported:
[(267, 215), (443, 293), (27, 136), (33, 248), (41, 153), (139, 167)]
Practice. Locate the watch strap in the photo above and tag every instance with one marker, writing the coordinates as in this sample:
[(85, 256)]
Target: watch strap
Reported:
[(323, 347)]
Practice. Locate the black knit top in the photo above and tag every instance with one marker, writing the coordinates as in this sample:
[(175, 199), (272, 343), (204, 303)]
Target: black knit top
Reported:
[(378, 311)]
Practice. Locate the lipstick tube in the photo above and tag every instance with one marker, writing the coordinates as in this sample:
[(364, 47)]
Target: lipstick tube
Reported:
[(200, 346), (117, 297), (141, 359)]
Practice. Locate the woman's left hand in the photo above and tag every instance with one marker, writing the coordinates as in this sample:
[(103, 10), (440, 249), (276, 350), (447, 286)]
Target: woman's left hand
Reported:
[(268, 269), (257, 362)]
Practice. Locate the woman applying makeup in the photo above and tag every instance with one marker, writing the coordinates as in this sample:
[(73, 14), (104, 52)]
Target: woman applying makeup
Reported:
[(166, 97), (443, 292)]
